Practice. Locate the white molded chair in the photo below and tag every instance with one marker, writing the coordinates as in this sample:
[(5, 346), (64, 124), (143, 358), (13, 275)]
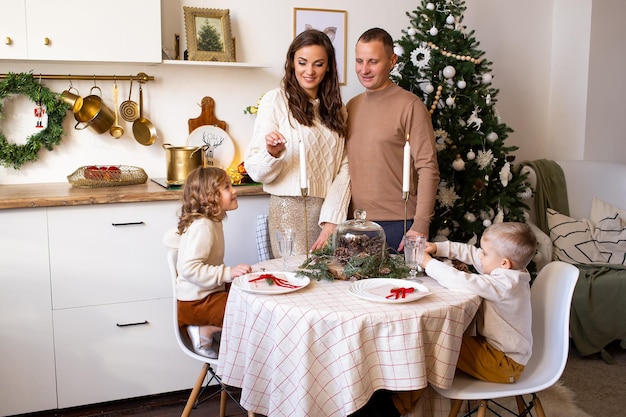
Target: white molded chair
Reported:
[(209, 365), (551, 297)]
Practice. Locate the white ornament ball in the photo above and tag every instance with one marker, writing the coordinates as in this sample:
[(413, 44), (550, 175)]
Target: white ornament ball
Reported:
[(492, 137), (429, 88), (398, 50), (461, 84), (470, 217), (450, 19), (411, 32), (487, 214), (486, 222), (433, 31), (450, 101), (430, 6), (449, 71), (471, 155), (458, 164), (487, 78)]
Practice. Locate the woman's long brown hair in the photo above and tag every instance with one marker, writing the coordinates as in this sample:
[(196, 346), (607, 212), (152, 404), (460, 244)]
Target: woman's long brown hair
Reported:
[(329, 95)]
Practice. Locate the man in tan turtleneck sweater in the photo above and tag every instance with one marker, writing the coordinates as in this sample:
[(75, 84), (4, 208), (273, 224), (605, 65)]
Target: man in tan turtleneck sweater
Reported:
[(379, 122)]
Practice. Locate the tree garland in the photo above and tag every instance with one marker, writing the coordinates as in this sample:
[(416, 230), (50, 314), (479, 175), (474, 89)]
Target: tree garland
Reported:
[(13, 155)]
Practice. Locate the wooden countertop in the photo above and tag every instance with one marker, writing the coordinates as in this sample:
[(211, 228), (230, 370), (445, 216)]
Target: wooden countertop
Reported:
[(63, 194)]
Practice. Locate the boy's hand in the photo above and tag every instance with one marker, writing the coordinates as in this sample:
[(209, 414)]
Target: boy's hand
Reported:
[(430, 248), (427, 258)]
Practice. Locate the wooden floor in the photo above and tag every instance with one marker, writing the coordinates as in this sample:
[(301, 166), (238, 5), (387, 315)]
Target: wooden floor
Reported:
[(164, 405)]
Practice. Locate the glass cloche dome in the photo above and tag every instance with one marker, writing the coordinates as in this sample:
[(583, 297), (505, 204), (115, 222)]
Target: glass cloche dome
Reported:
[(358, 237)]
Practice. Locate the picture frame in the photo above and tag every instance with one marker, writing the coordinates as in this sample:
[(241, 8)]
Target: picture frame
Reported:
[(208, 34), (333, 23)]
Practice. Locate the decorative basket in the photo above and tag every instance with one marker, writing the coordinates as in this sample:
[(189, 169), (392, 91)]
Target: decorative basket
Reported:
[(94, 176)]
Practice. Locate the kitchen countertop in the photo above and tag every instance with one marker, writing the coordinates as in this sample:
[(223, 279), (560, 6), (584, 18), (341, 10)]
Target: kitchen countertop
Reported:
[(63, 194)]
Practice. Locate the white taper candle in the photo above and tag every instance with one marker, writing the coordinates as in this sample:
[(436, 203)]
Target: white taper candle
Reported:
[(303, 177), (406, 167)]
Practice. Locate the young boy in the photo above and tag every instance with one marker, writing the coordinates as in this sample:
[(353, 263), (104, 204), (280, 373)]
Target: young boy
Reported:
[(503, 343)]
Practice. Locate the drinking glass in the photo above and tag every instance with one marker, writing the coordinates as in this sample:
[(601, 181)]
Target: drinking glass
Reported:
[(413, 254), (285, 240)]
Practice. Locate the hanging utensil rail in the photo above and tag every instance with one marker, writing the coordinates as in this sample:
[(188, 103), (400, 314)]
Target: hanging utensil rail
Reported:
[(141, 77)]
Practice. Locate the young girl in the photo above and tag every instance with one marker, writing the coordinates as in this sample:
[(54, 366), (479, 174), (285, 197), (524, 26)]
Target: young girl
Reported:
[(207, 195)]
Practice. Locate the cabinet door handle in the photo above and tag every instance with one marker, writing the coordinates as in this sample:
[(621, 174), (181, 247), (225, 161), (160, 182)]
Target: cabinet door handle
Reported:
[(140, 323), (127, 224), (8, 40), (46, 41)]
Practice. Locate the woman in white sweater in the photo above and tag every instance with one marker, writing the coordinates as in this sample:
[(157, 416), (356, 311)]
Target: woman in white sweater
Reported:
[(306, 108)]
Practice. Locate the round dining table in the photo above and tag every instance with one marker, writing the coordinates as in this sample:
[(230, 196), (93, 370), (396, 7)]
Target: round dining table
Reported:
[(321, 350)]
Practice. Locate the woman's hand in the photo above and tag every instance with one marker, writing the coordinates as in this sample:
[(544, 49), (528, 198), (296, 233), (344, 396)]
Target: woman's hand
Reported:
[(327, 230), (275, 143)]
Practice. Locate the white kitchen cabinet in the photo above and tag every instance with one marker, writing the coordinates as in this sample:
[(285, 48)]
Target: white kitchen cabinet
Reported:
[(13, 30), (27, 373), (115, 351), (76, 30)]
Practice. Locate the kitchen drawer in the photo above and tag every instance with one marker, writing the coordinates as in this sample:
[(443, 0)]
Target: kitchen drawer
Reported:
[(124, 350), (109, 253)]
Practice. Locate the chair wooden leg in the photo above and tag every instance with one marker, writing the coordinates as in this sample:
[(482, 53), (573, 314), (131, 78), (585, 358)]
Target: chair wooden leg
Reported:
[(250, 413), (223, 399), (520, 404), (482, 409), (191, 401), (455, 406), (539, 407)]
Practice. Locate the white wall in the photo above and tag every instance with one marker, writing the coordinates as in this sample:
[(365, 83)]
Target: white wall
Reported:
[(530, 42)]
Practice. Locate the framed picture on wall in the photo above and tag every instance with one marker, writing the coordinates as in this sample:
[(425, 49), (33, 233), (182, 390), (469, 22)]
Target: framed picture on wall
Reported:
[(208, 34), (333, 23)]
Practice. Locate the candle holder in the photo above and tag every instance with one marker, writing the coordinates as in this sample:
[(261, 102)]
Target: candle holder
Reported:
[(305, 194)]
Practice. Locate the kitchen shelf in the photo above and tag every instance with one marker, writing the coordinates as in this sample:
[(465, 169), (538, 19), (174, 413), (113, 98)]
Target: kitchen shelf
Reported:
[(212, 64)]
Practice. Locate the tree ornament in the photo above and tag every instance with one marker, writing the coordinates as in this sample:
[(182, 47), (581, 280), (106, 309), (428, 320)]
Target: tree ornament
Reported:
[(447, 196), (485, 159), (411, 32), (430, 6), (450, 19), (487, 78), (449, 71), (471, 155), (486, 214), (458, 164), (398, 50), (470, 217), (486, 222), (505, 174), (488, 99), (461, 84), (13, 155), (492, 137), (499, 216), (429, 88), (444, 232), (526, 194), (420, 56), (433, 31), (450, 101)]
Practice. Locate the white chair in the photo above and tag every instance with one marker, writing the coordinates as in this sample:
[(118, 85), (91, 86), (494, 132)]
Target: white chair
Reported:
[(551, 297), (209, 365)]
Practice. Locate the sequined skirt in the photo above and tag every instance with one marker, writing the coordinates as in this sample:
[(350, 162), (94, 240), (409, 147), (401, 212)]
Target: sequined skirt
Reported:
[(288, 213)]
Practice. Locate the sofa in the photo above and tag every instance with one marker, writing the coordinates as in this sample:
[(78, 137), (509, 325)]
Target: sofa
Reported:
[(578, 211)]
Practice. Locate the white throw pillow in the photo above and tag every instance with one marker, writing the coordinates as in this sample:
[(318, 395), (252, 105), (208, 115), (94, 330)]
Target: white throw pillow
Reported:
[(580, 241), (600, 209)]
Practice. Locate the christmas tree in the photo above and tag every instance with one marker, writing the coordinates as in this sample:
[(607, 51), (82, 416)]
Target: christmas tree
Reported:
[(440, 62)]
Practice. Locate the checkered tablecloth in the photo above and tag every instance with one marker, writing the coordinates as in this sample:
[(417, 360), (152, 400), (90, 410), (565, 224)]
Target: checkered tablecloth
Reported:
[(321, 351)]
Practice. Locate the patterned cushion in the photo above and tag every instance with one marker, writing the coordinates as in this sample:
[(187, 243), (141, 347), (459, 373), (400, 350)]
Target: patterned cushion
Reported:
[(581, 241)]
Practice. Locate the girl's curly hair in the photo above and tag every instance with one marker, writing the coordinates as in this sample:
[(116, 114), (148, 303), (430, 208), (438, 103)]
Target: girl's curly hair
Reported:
[(201, 196)]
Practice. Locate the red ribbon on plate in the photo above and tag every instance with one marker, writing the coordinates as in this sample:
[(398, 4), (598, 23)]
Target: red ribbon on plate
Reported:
[(397, 293), (271, 280)]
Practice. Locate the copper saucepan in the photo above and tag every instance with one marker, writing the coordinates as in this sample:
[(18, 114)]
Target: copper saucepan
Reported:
[(143, 129)]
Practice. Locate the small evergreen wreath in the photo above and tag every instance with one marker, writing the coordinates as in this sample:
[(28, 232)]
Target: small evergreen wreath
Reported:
[(13, 155)]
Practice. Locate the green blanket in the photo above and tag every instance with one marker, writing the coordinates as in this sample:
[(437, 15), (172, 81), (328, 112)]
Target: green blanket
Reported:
[(551, 190), (598, 313)]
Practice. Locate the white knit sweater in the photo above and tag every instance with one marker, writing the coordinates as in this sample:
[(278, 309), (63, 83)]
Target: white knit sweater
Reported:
[(327, 161)]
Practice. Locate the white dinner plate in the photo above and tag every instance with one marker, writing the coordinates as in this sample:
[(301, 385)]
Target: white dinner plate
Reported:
[(221, 150), (250, 283), (378, 290)]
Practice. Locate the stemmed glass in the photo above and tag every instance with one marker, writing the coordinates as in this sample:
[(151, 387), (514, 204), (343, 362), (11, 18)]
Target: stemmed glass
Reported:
[(413, 254), (285, 240)]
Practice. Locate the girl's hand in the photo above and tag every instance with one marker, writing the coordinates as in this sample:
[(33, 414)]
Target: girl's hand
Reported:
[(275, 143), (430, 248), (239, 270)]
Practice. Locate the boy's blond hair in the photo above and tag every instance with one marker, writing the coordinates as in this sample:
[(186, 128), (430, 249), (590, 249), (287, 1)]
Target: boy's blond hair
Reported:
[(512, 240)]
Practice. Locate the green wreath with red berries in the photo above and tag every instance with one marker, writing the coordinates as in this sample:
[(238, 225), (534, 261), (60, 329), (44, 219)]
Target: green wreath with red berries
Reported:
[(13, 155)]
